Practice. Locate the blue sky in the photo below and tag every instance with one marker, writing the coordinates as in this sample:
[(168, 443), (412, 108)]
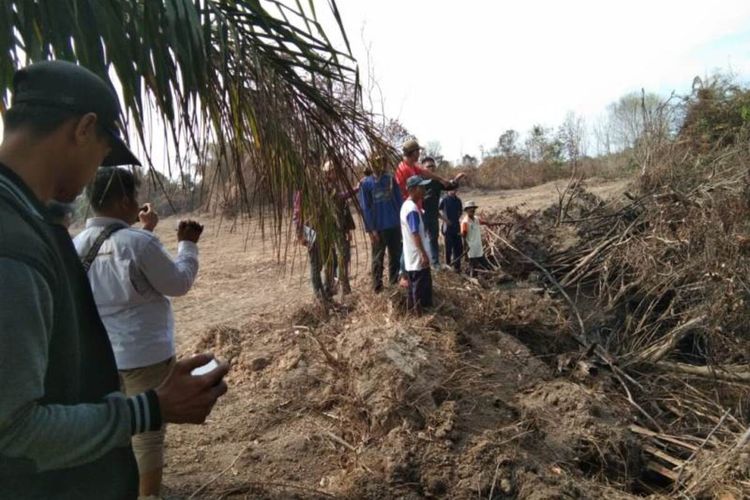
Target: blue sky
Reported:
[(462, 72)]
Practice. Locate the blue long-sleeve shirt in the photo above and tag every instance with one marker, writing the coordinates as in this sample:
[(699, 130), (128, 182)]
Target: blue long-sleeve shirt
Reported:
[(380, 200)]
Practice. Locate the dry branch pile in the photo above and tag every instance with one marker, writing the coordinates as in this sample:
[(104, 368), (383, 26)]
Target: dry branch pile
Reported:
[(661, 284)]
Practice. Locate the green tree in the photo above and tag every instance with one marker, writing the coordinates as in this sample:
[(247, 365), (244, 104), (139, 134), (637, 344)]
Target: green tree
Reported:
[(536, 143), (541, 145), (716, 112), (643, 125), (636, 115)]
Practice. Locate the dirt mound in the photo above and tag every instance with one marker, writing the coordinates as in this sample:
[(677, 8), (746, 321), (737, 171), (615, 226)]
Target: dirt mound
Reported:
[(370, 403), (240, 347), (392, 374), (430, 406), (583, 426)]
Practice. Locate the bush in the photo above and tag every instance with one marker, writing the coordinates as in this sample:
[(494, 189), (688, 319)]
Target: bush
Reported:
[(516, 172), (717, 114)]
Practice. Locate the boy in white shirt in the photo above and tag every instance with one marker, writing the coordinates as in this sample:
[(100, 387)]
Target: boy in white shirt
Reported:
[(416, 244), (471, 232)]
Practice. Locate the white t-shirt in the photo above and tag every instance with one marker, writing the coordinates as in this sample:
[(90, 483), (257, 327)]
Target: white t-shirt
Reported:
[(472, 231), (411, 216)]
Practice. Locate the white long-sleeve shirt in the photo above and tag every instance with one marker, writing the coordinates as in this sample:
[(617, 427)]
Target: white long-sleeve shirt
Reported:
[(132, 278)]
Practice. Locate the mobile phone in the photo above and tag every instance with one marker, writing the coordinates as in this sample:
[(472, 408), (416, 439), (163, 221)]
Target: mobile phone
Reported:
[(202, 370)]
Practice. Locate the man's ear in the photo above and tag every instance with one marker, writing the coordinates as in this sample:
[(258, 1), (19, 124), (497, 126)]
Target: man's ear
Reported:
[(86, 128), (127, 202)]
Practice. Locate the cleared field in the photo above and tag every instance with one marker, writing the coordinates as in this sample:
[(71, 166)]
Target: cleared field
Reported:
[(244, 299)]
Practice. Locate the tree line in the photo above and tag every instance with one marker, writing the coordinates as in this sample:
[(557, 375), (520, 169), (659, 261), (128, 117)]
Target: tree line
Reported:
[(634, 124)]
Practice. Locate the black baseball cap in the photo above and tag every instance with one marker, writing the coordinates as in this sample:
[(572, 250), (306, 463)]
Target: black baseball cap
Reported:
[(416, 180), (64, 85)]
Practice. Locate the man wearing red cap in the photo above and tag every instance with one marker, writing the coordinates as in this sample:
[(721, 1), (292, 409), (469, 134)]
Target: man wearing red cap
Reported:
[(410, 167)]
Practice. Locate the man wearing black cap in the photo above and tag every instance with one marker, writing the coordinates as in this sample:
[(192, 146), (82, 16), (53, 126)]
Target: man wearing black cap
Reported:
[(64, 428)]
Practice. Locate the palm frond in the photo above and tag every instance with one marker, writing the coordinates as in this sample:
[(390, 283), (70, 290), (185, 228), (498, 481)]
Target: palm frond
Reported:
[(269, 90)]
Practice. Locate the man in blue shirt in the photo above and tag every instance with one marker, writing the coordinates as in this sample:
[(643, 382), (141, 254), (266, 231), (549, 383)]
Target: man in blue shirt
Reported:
[(380, 199), (451, 208)]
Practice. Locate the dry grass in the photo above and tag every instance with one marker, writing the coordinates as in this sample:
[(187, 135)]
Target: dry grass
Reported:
[(518, 173)]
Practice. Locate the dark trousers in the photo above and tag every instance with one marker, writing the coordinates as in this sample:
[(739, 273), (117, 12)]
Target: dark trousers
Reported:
[(478, 264), (343, 256), (454, 249), (321, 272), (388, 239), (432, 226), (420, 290)]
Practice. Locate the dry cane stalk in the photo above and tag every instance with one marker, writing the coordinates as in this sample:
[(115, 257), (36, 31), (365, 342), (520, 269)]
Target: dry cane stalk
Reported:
[(655, 352), (695, 453), (729, 373)]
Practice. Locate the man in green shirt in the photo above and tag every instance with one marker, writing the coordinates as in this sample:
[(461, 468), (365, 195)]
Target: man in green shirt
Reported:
[(64, 427)]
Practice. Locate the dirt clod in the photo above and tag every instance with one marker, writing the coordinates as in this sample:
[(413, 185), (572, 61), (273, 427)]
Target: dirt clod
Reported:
[(259, 364)]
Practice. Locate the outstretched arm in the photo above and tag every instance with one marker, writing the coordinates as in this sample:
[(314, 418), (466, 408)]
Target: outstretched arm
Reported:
[(447, 184), (433, 176)]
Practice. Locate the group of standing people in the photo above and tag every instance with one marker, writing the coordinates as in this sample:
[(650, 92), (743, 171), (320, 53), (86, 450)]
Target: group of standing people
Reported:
[(401, 215), (403, 212)]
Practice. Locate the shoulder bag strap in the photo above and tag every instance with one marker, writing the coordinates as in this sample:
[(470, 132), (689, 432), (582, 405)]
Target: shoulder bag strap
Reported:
[(94, 250)]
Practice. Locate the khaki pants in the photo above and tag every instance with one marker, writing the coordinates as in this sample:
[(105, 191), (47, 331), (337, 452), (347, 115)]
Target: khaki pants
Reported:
[(148, 447)]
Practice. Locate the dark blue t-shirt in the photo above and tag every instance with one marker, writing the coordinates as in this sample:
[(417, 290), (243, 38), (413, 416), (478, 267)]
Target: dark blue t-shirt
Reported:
[(452, 207)]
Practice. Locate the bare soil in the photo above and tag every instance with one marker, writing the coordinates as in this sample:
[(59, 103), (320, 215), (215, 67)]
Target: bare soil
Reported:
[(365, 402)]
